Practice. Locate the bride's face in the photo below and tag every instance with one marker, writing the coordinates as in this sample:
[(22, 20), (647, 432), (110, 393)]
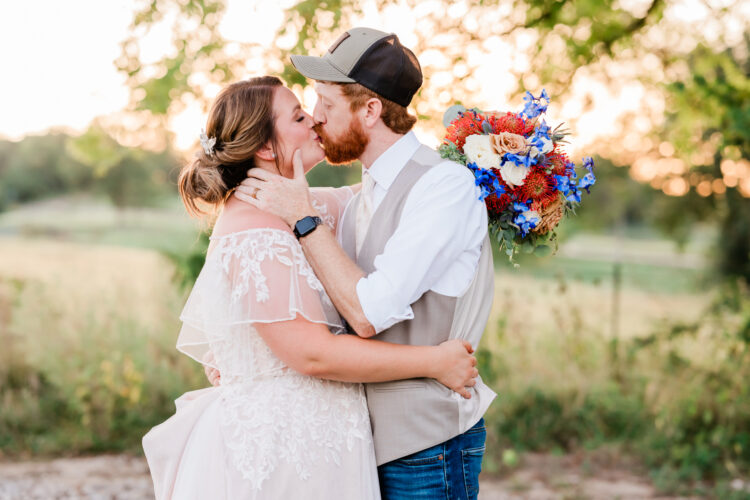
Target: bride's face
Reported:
[(294, 131)]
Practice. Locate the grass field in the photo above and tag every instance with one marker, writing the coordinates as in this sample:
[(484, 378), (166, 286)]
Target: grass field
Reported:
[(88, 319)]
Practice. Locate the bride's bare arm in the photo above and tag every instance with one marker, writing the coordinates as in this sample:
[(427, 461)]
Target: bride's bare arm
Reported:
[(311, 349)]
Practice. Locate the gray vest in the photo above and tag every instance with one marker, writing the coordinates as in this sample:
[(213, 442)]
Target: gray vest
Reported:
[(411, 415)]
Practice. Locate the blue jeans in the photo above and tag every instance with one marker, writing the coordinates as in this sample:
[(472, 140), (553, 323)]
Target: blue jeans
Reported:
[(447, 471)]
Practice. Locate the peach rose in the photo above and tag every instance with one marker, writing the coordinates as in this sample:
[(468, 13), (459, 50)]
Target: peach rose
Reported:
[(506, 142)]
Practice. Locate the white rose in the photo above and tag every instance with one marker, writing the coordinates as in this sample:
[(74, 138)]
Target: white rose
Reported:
[(478, 149), (513, 174), (547, 147)]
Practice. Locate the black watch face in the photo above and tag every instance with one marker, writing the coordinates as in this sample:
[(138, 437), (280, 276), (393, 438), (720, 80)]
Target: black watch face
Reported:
[(305, 225)]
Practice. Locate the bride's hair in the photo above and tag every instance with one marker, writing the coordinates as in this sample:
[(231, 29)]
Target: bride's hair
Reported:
[(241, 119)]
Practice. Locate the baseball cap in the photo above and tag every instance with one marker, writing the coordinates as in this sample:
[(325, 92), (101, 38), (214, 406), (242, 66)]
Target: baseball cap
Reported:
[(372, 58)]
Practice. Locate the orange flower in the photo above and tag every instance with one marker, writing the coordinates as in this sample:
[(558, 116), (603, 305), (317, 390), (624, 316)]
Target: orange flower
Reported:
[(507, 142)]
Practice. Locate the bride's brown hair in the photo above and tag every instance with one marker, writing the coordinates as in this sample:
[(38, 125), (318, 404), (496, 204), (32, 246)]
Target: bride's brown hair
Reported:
[(241, 119)]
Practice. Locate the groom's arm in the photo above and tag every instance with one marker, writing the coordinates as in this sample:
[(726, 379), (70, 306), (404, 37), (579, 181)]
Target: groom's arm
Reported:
[(442, 219), (339, 275)]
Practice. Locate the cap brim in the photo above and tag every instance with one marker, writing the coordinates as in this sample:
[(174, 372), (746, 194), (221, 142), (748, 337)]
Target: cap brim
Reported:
[(318, 68)]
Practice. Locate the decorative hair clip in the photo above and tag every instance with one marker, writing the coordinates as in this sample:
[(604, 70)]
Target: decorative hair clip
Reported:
[(207, 144)]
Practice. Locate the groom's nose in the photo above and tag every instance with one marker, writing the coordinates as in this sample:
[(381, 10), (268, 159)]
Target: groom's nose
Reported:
[(318, 115)]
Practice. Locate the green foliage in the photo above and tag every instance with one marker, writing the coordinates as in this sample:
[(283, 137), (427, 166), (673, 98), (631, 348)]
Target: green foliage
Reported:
[(611, 26), (45, 166), (199, 48), (83, 380), (38, 166), (325, 174), (720, 82), (678, 398), (188, 263)]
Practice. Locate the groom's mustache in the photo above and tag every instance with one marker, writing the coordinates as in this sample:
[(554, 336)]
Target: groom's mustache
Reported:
[(324, 139)]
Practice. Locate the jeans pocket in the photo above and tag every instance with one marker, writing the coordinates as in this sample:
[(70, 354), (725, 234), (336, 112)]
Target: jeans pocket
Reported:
[(436, 459), (417, 477), (472, 464)]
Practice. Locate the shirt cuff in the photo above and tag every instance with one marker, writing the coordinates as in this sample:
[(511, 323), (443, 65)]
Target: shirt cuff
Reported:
[(380, 308)]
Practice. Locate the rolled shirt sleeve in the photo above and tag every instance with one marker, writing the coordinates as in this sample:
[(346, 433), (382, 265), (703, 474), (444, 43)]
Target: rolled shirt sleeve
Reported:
[(436, 246)]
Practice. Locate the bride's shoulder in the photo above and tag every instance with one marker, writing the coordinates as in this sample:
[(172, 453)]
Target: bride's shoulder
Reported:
[(239, 217)]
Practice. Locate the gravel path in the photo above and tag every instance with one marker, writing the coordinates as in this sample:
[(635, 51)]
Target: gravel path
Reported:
[(109, 477)]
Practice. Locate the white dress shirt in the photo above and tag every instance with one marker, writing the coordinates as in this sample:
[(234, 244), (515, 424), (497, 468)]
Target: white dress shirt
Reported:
[(437, 243)]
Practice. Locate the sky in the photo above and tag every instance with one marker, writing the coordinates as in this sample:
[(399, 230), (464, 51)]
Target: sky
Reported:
[(59, 70), (58, 58)]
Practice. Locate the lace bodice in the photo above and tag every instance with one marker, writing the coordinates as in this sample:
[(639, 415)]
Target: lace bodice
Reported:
[(270, 414)]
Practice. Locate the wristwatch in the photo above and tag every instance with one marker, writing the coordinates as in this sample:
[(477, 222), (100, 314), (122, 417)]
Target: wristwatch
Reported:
[(306, 225)]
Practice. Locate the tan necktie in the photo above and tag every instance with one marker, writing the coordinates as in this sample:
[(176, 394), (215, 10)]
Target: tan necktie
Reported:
[(364, 211)]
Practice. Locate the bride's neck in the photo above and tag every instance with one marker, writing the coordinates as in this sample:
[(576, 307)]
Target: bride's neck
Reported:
[(268, 166)]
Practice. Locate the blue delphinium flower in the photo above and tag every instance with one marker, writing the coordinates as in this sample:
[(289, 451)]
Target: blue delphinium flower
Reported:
[(588, 163), (589, 179), (486, 180), (562, 183), (535, 106), (521, 207), (525, 219), (520, 160), (542, 129), (574, 195)]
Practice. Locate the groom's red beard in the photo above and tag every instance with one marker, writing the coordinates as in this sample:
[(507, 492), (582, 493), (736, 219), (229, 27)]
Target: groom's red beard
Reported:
[(346, 148)]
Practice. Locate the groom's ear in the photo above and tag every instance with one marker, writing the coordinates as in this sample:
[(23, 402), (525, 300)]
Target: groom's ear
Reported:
[(372, 109)]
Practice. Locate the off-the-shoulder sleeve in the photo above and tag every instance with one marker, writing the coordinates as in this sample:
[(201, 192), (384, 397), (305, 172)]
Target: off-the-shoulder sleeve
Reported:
[(254, 276), (331, 202)]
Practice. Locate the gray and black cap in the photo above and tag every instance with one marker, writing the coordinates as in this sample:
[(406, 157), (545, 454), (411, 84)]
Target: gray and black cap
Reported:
[(372, 58)]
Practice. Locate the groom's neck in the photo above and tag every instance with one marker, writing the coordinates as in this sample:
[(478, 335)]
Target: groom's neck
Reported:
[(380, 141)]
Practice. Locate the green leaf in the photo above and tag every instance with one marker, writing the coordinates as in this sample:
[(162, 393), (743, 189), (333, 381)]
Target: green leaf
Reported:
[(542, 250)]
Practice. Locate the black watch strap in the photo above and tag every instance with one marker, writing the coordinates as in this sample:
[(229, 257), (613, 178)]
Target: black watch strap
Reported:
[(306, 225)]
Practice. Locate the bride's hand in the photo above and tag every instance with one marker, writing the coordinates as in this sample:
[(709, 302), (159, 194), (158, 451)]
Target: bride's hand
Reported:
[(212, 374), (456, 367), (287, 198)]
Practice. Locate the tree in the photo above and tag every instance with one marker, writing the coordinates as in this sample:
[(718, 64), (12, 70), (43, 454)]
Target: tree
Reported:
[(691, 75)]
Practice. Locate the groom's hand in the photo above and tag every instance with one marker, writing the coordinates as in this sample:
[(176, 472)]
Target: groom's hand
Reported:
[(273, 193)]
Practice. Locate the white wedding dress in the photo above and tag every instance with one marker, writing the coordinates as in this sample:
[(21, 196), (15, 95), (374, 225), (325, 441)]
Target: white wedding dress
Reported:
[(267, 432)]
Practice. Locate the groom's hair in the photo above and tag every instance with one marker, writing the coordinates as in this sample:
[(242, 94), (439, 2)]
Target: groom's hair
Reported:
[(395, 116)]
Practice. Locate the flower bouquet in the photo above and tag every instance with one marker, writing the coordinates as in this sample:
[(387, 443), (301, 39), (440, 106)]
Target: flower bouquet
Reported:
[(527, 181)]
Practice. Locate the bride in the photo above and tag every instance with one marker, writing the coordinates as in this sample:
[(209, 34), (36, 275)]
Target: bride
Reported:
[(288, 419)]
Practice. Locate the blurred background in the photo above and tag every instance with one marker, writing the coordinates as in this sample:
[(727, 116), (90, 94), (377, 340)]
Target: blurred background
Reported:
[(626, 352)]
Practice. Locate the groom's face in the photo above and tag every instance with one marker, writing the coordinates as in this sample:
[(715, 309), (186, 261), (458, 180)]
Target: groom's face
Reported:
[(340, 129)]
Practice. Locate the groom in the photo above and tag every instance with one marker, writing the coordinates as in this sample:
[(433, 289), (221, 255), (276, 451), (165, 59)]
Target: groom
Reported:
[(412, 263)]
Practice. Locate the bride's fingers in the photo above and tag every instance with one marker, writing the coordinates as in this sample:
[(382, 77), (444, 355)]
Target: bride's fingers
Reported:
[(259, 173), (299, 168), (247, 197), (253, 183)]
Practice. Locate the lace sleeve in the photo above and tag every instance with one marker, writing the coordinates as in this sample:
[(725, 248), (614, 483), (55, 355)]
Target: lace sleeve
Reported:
[(253, 276), (331, 202)]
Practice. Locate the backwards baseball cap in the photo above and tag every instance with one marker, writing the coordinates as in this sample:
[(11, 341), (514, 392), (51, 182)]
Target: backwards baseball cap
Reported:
[(372, 58)]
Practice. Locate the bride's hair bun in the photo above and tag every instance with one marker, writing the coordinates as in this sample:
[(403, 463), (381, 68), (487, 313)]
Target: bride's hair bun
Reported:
[(241, 121)]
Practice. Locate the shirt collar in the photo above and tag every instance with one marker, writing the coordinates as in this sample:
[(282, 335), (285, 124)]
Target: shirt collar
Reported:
[(389, 164)]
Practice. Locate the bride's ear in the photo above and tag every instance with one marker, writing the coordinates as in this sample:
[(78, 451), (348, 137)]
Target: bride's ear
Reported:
[(266, 153)]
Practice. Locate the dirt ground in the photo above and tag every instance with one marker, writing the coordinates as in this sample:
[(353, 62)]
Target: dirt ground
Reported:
[(538, 477)]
